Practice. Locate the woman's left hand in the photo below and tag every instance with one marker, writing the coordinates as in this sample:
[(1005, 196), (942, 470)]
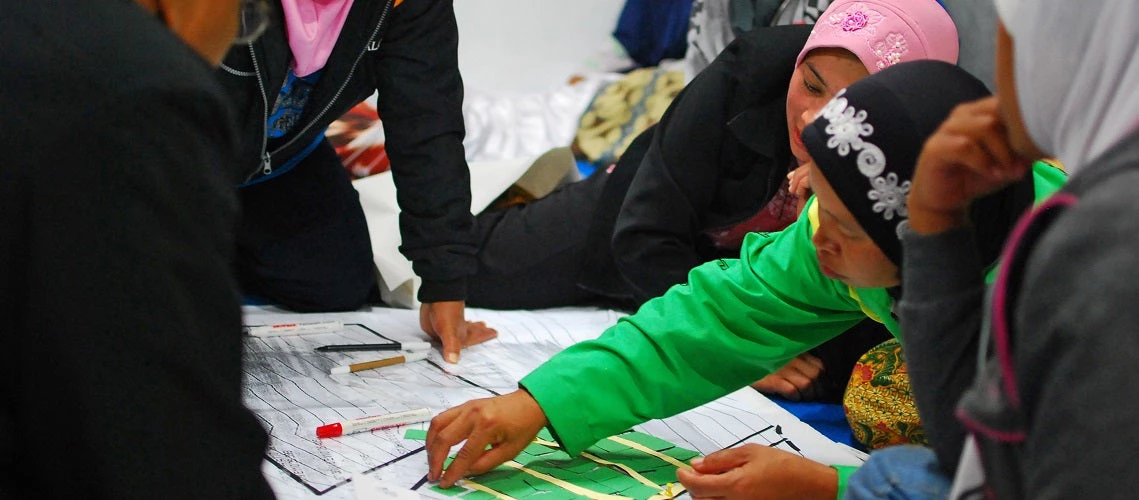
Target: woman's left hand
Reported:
[(796, 381), (799, 184), (755, 471)]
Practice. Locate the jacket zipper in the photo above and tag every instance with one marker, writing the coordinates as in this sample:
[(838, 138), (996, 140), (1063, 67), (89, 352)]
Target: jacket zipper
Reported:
[(266, 160), (265, 155), (234, 72)]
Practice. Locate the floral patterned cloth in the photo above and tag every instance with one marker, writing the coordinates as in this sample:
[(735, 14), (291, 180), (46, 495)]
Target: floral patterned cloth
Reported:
[(878, 401), (624, 109)]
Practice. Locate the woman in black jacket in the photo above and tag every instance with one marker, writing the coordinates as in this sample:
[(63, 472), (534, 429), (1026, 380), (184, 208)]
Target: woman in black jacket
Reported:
[(303, 242), (715, 168)]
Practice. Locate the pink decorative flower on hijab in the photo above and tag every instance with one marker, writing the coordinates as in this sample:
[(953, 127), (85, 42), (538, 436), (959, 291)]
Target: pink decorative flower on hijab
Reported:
[(858, 16), (855, 21)]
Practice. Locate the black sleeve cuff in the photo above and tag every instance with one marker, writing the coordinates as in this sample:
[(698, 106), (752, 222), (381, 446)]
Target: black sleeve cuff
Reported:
[(443, 291)]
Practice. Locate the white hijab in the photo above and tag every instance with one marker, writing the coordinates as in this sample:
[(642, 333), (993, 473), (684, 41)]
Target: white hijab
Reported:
[(1077, 74)]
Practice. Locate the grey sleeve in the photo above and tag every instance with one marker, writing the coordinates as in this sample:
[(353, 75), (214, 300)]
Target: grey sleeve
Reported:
[(941, 312), (1077, 344)]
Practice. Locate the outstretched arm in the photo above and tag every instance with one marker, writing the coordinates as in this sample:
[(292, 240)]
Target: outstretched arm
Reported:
[(736, 321), (420, 97)]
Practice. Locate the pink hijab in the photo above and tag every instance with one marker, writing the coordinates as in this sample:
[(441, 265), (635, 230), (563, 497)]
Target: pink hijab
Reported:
[(313, 27), (883, 33)]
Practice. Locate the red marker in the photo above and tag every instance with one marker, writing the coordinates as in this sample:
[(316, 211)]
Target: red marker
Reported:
[(294, 328), (373, 423)]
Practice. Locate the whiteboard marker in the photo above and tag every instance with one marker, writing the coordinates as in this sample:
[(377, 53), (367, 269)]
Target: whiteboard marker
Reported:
[(373, 423), (294, 328)]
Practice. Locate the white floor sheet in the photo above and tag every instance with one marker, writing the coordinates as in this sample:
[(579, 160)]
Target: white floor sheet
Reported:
[(289, 388)]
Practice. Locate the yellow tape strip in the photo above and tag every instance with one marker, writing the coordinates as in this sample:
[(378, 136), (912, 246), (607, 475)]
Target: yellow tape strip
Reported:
[(467, 483), (628, 470), (667, 492), (548, 444), (644, 449), (576, 490)]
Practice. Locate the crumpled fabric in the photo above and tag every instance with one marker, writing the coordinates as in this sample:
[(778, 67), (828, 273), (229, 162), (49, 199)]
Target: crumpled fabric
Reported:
[(510, 126)]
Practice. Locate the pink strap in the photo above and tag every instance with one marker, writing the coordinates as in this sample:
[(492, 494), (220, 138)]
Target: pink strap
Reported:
[(1001, 322)]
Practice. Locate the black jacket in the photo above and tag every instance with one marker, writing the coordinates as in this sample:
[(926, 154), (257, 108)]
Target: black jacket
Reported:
[(718, 155), (409, 54), (121, 373)]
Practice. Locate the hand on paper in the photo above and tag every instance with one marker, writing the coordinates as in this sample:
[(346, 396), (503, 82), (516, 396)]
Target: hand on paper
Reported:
[(506, 423), (445, 321), (795, 381), (799, 184), (753, 471), (968, 157)]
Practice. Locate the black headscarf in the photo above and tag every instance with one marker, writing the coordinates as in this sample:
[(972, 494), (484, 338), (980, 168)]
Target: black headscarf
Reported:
[(866, 142)]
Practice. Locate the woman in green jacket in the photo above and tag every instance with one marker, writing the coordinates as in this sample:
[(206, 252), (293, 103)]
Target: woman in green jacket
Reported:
[(738, 320)]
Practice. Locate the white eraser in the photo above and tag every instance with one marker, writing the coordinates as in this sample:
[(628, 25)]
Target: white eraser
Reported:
[(415, 356), (415, 346), (340, 370)]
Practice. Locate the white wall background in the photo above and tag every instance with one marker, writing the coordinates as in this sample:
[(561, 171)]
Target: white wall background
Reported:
[(531, 45)]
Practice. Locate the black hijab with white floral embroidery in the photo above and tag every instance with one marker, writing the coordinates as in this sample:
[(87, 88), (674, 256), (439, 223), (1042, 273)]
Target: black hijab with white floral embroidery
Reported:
[(866, 142)]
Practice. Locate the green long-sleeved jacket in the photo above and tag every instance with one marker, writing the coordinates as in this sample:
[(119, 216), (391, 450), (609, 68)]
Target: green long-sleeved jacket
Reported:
[(735, 322)]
